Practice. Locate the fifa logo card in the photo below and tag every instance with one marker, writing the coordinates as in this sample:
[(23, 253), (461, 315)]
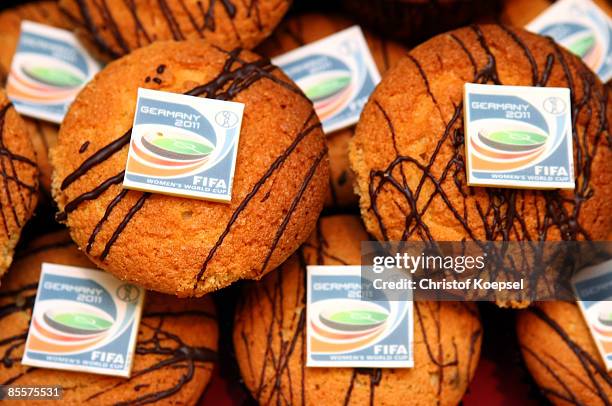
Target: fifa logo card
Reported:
[(48, 70), (342, 330), (183, 145), (593, 287), (83, 320), (518, 137), (337, 74), (581, 27)]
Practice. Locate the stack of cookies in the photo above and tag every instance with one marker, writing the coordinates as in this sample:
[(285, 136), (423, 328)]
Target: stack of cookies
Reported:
[(300, 196)]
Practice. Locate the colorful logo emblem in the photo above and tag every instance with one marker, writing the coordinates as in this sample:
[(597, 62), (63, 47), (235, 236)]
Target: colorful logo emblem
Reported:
[(83, 320), (582, 28), (579, 39), (337, 73), (330, 90), (343, 325), (352, 319), (599, 316), (344, 330), (48, 70), (592, 287), (79, 321), (605, 315), (183, 145), (518, 136), (508, 149), (167, 152)]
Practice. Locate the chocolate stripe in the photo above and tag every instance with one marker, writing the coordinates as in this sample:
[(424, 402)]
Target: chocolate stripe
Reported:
[(590, 366), (109, 209), (91, 195), (13, 176), (277, 164), (131, 213), (293, 207)]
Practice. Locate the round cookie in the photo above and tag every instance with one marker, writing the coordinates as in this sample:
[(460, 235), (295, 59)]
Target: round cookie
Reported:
[(43, 12), (408, 150), (270, 345), (561, 356), (413, 21), (18, 180), (114, 27), (304, 29), (187, 246), (175, 351)]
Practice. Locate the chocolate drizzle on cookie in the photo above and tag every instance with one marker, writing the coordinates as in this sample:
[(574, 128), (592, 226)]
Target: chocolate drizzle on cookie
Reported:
[(321, 248), (91, 195), (175, 355), (84, 147), (236, 76), (109, 209), (23, 301), (99, 18), (276, 364), (435, 350), (275, 378), (94, 30), (19, 201), (501, 215), (598, 380), (296, 200), (310, 125), (168, 350)]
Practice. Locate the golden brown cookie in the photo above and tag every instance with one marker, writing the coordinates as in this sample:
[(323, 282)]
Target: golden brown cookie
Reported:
[(18, 180), (43, 12), (175, 351), (270, 346), (413, 21), (408, 151), (561, 355), (186, 246), (113, 28), (304, 29)]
